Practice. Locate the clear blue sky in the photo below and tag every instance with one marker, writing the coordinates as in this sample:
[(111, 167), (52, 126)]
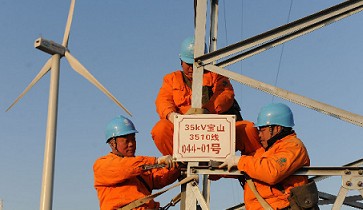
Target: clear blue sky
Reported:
[(128, 46)]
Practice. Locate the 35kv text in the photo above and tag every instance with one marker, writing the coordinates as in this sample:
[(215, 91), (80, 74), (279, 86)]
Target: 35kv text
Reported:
[(204, 127)]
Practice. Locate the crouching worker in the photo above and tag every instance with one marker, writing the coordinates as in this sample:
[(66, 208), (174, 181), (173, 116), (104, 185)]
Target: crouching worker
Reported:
[(175, 98), (271, 168), (119, 177)]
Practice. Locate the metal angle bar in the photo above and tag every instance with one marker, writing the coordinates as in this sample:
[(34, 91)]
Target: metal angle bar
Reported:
[(352, 201), (213, 26), (290, 96), (286, 38), (349, 168), (332, 171), (212, 168), (240, 206), (213, 33), (352, 198), (199, 44), (280, 31), (355, 198), (354, 163), (200, 29), (349, 201), (326, 171), (327, 198), (340, 198), (206, 189), (199, 196), (188, 201), (201, 171)]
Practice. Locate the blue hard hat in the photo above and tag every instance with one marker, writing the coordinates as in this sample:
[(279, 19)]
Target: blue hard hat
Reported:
[(187, 50), (275, 114), (119, 126)]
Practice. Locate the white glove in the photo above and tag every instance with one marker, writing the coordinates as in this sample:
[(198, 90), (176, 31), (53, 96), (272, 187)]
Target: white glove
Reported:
[(171, 116), (167, 160), (230, 161)]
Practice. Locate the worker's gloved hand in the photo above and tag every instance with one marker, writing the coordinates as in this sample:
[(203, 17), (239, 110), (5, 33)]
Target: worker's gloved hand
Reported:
[(167, 160), (197, 111), (231, 161), (171, 116)]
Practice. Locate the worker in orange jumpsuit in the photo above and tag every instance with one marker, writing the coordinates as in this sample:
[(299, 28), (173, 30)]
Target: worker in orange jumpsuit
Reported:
[(175, 96), (272, 166), (119, 178)]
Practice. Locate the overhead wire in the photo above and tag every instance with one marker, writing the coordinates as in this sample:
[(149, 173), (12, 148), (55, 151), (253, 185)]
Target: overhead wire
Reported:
[(225, 22), (241, 34), (226, 40), (226, 32), (282, 51)]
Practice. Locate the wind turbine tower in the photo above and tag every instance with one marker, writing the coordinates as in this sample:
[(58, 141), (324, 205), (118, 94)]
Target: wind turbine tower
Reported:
[(57, 51)]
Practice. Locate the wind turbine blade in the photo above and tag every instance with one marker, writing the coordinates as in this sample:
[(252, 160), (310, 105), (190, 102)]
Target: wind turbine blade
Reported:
[(42, 72), (68, 25), (79, 68)]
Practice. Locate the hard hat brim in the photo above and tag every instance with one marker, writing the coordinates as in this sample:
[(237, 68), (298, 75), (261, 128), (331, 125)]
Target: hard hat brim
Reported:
[(187, 60)]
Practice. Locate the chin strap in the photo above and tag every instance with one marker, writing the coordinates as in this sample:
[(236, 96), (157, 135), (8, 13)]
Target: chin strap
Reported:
[(115, 148)]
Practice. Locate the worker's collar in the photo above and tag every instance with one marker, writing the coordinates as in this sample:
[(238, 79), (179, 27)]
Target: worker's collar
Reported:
[(117, 154), (284, 132)]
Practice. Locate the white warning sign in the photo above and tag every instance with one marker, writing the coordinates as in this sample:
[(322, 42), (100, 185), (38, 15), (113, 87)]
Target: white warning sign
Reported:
[(203, 137)]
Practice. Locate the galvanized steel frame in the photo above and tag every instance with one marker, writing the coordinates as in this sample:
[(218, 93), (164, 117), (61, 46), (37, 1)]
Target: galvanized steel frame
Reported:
[(352, 175)]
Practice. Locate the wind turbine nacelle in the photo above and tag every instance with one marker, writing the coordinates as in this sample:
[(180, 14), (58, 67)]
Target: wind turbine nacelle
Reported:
[(49, 46)]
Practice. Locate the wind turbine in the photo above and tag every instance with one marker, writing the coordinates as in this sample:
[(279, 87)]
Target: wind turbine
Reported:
[(57, 51)]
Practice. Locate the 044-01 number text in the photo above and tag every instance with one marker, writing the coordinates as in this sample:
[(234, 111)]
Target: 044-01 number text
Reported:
[(204, 148)]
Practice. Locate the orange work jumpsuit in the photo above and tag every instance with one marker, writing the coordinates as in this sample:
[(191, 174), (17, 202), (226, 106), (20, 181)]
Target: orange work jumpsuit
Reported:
[(175, 96), (118, 180), (272, 171)]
